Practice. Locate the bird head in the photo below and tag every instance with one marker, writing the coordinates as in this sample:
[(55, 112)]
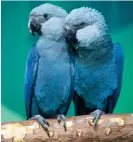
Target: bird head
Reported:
[(39, 15), (79, 19)]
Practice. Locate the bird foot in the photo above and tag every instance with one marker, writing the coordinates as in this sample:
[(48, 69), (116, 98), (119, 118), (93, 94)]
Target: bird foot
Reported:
[(60, 118), (43, 123), (96, 116)]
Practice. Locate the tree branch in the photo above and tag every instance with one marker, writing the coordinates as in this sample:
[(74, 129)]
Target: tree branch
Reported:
[(117, 128)]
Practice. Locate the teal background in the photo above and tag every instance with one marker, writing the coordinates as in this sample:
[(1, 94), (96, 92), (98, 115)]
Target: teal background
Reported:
[(16, 42)]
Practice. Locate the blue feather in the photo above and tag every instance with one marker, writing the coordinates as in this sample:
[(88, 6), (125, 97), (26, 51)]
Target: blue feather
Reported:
[(53, 82), (30, 76), (48, 79), (119, 62), (99, 82)]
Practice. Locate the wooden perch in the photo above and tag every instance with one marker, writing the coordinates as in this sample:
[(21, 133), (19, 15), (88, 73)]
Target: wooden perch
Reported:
[(116, 128)]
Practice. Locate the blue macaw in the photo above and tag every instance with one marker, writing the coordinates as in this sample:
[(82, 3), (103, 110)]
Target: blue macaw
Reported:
[(48, 78), (98, 63)]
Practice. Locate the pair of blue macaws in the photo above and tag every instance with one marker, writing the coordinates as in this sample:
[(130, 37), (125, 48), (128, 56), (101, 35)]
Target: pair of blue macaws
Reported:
[(74, 58)]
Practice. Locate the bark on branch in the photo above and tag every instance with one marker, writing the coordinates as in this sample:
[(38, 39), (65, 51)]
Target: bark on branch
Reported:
[(116, 128)]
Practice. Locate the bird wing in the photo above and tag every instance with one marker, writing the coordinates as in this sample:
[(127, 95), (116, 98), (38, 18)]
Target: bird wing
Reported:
[(119, 61), (30, 77)]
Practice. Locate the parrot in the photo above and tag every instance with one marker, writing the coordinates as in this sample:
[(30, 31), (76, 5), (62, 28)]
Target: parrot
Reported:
[(98, 65), (49, 73)]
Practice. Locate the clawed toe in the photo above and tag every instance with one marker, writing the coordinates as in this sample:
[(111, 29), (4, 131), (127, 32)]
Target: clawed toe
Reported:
[(62, 118), (42, 121), (96, 116)]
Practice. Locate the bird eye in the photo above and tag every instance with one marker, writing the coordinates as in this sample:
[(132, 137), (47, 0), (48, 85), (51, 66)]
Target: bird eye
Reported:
[(82, 24), (45, 16)]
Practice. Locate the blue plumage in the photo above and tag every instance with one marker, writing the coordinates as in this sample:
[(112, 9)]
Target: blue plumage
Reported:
[(98, 63), (48, 79), (119, 62), (30, 77), (100, 82), (49, 76)]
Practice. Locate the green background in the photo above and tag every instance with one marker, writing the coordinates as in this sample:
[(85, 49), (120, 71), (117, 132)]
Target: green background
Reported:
[(16, 42)]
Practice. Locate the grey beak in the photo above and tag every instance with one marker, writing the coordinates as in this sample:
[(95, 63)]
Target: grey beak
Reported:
[(70, 35), (34, 27)]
